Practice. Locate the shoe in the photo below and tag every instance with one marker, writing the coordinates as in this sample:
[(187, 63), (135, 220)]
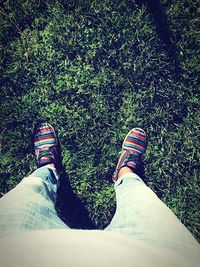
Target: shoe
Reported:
[(133, 148), (46, 146)]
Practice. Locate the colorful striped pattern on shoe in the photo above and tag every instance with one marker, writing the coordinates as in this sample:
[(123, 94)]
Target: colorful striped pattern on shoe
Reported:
[(45, 142), (135, 141), (44, 136), (133, 147)]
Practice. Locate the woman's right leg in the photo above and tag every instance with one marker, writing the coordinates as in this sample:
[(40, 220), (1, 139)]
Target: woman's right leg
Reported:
[(142, 215)]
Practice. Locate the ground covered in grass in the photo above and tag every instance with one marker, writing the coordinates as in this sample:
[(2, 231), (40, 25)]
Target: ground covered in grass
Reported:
[(95, 69)]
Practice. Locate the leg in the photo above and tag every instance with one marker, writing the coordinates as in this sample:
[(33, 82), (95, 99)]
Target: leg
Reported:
[(142, 215), (30, 205)]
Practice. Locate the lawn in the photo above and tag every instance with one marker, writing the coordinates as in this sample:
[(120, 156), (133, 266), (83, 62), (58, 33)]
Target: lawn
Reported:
[(95, 69)]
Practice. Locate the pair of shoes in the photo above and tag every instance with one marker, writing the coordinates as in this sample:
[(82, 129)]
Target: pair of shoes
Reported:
[(47, 149)]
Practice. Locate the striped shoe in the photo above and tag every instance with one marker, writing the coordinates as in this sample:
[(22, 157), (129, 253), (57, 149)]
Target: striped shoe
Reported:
[(46, 146), (133, 148)]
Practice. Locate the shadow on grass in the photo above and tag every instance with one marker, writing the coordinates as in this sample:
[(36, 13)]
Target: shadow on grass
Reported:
[(162, 26), (70, 208)]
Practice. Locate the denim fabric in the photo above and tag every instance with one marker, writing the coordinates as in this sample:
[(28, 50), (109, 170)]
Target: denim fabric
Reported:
[(30, 205), (142, 215)]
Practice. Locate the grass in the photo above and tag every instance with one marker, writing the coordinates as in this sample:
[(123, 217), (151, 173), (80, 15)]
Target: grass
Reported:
[(95, 69)]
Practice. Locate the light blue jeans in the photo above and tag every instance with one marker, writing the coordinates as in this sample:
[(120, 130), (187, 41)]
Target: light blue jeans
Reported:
[(139, 214)]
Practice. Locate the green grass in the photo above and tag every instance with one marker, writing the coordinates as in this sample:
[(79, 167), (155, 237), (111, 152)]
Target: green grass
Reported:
[(94, 70)]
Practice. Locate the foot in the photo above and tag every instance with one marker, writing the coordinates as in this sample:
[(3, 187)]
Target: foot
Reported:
[(46, 146), (133, 148)]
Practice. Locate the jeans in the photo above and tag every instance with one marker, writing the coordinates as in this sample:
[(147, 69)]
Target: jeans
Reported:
[(30, 205), (139, 214)]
